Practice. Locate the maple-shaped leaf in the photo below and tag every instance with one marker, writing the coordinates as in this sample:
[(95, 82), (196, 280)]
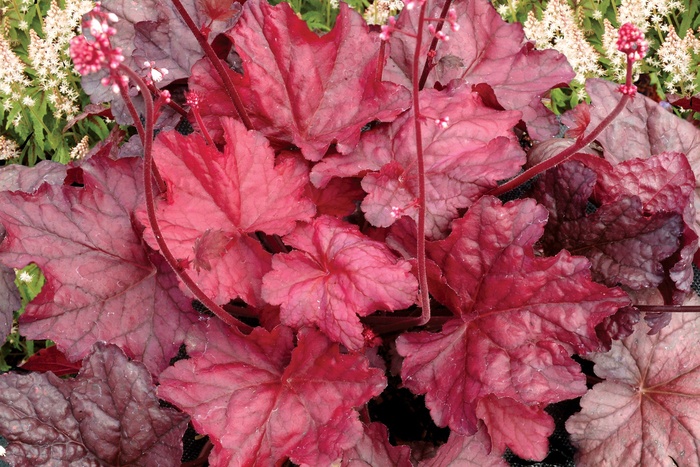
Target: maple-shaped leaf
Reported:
[(374, 449), (264, 400), (519, 318), (217, 200), (488, 50), (301, 88), (646, 411), (336, 274), (101, 283), (626, 240), (107, 415), (467, 451), (462, 161)]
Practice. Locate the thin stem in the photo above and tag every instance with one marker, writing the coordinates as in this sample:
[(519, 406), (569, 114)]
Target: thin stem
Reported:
[(433, 45), (216, 63), (420, 251), (172, 104), (668, 308), (132, 110), (562, 156), (148, 165)]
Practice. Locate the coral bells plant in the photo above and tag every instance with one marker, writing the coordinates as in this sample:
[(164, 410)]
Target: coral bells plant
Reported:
[(306, 227)]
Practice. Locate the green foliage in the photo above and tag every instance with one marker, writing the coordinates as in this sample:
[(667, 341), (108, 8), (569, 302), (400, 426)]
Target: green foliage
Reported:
[(39, 98), (320, 14), (16, 349), (669, 69)]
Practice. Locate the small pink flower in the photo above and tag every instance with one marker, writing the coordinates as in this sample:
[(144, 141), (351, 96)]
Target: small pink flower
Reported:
[(388, 29), (91, 56), (630, 90), (631, 41)]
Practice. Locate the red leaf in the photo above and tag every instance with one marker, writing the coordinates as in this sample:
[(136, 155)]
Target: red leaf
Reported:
[(263, 400), (239, 192), (524, 429), (488, 50), (339, 198), (374, 449), (101, 283), (107, 415), (336, 275), (304, 89), (53, 360), (462, 161), (466, 451), (646, 410), (519, 318)]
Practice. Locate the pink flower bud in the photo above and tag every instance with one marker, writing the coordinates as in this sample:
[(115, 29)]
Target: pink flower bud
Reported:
[(631, 42)]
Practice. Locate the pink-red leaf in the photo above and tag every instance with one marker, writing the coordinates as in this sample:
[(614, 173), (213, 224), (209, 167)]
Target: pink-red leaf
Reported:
[(263, 399), (466, 451), (524, 429), (216, 201), (462, 161), (101, 283), (374, 449), (486, 49), (646, 412), (519, 318), (336, 274), (301, 88), (53, 360), (107, 415)]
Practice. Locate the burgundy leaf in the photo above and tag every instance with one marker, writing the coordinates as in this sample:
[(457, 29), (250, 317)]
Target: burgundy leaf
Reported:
[(304, 89), (646, 410), (617, 326), (108, 415), (53, 360), (624, 240), (462, 161), (520, 317), (374, 449), (643, 129), (9, 300), (339, 198), (467, 451), (101, 283), (488, 50), (263, 400), (239, 192), (336, 275)]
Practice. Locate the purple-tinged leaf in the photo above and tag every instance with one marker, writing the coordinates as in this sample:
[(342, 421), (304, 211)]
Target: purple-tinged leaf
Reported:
[(107, 415), (646, 411), (625, 242), (101, 283)]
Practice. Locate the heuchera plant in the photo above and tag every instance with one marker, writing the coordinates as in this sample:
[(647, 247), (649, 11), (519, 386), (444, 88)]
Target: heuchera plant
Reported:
[(333, 205)]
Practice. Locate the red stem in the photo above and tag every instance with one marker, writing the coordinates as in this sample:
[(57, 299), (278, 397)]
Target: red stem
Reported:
[(668, 308), (148, 165), (433, 45), (216, 63), (562, 156), (422, 271)]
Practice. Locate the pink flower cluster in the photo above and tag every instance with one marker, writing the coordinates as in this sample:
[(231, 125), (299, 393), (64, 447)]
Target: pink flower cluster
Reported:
[(631, 41), (91, 56)]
